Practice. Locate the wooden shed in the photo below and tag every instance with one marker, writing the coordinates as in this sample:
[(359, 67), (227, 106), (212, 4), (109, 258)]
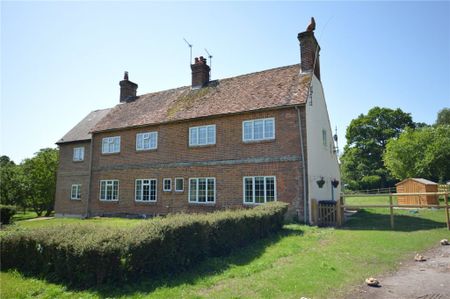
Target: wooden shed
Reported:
[(415, 185)]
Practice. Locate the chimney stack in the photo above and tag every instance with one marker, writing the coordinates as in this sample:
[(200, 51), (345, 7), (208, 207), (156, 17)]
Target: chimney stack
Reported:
[(309, 50), (200, 73), (127, 89)]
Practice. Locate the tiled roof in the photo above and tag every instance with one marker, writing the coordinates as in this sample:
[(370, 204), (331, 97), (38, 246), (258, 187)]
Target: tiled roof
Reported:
[(278, 87), (82, 130)]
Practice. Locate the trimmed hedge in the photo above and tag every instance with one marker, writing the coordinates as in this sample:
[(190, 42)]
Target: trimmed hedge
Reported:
[(6, 213), (88, 255)]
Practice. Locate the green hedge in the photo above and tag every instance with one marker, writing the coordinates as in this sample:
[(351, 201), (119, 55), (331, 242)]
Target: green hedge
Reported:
[(88, 255), (6, 213)]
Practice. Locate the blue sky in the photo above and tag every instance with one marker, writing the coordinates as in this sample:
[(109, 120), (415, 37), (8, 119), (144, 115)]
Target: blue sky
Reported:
[(61, 60)]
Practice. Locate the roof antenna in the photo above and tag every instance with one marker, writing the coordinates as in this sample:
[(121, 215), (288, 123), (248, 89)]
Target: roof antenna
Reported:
[(190, 50), (210, 62)]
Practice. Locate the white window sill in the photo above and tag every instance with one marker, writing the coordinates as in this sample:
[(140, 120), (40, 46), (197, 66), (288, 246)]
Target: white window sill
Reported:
[(109, 200)]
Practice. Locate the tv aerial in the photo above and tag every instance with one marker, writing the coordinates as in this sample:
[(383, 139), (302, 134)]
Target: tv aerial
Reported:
[(190, 50), (210, 61)]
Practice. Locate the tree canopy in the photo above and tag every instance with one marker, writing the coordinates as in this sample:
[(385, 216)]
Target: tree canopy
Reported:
[(443, 117), (362, 164), (423, 153)]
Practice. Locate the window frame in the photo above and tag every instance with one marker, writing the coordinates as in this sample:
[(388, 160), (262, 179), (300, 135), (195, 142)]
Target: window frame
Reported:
[(77, 192), (75, 157), (252, 122), (253, 189), (206, 202), (110, 140), (197, 134), (107, 183), (176, 189), (150, 134), (324, 138), (142, 190), (164, 184)]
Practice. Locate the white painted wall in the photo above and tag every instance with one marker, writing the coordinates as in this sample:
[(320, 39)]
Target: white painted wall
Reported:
[(322, 161)]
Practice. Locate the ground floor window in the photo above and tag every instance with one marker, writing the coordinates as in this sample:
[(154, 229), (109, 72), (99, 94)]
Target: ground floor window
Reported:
[(75, 191), (109, 190), (145, 190), (179, 184), (259, 189), (202, 190)]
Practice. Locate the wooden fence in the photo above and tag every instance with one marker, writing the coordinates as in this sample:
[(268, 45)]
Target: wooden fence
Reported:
[(341, 205)]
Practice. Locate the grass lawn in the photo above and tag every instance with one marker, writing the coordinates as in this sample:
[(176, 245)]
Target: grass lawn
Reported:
[(300, 261)]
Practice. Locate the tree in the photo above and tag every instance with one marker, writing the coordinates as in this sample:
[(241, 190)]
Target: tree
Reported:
[(420, 153), (367, 135), (9, 191), (443, 117), (39, 180)]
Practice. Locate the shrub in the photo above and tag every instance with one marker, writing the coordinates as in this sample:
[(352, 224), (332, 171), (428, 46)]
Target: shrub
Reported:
[(6, 213), (87, 255)]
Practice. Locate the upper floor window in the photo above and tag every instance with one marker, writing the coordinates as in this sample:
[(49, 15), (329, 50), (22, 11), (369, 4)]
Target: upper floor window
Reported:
[(259, 189), (324, 137), (75, 191), (145, 190), (78, 153), (258, 129), (202, 190), (111, 145), (109, 190), (203, 135), (146, 141)]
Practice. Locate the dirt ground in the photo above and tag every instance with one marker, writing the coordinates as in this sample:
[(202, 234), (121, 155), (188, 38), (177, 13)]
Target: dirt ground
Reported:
[(424, 280)]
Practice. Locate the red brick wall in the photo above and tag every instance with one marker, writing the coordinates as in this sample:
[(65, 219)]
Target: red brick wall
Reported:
[(71, 172), (174, 158)]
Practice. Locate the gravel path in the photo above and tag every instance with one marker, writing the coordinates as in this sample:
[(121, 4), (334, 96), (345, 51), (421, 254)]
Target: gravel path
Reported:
[(424, 280)]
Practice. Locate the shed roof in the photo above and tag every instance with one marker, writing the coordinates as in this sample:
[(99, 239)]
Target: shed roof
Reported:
[(419, 180), (278, 87), (82, 130)]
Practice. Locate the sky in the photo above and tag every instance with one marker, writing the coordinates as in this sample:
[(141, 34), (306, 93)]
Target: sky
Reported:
[(61, 60)]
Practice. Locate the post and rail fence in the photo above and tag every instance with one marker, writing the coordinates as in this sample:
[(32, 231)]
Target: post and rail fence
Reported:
[(326, 213)]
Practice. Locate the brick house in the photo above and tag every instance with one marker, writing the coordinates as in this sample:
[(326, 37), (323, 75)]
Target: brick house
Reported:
[(219, 144)]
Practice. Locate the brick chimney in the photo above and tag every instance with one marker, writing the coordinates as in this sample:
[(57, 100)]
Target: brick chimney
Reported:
[(200, 72), (309, 51), (127, 89)]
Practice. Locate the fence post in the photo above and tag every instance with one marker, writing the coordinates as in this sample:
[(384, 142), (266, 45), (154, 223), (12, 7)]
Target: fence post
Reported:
[(391, 208), (339, 214), (446, 210)]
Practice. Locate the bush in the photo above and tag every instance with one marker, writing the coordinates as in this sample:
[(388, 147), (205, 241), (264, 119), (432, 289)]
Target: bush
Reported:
[(88, 255), (6, 213)]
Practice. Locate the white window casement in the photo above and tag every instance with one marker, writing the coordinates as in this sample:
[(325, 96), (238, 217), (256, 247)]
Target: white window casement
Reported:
[(78, 153), (259, 189), (324, 137), (179, 184), (111, 145), (202, 190), (167, 185), (145, 190), (75, 192), (109, 190), (146, 141), (203, 135), (258, 129)]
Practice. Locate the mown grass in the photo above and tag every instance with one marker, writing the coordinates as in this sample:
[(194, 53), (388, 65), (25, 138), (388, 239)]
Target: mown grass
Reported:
[(300, 261)]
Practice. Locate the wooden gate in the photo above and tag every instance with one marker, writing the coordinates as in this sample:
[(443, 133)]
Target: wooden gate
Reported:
[(327, 213)]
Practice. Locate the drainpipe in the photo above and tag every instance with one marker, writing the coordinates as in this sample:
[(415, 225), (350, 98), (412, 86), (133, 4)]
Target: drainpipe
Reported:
[(90, 176), (305, 205)]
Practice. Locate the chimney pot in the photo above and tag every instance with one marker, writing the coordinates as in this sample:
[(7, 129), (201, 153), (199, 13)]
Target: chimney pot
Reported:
[(200, 72)]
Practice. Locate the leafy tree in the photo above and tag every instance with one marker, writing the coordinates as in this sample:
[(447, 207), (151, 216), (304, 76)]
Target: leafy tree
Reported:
[(9, 193), (443, 117), (39, 180), (367, 135), (420, 153)]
